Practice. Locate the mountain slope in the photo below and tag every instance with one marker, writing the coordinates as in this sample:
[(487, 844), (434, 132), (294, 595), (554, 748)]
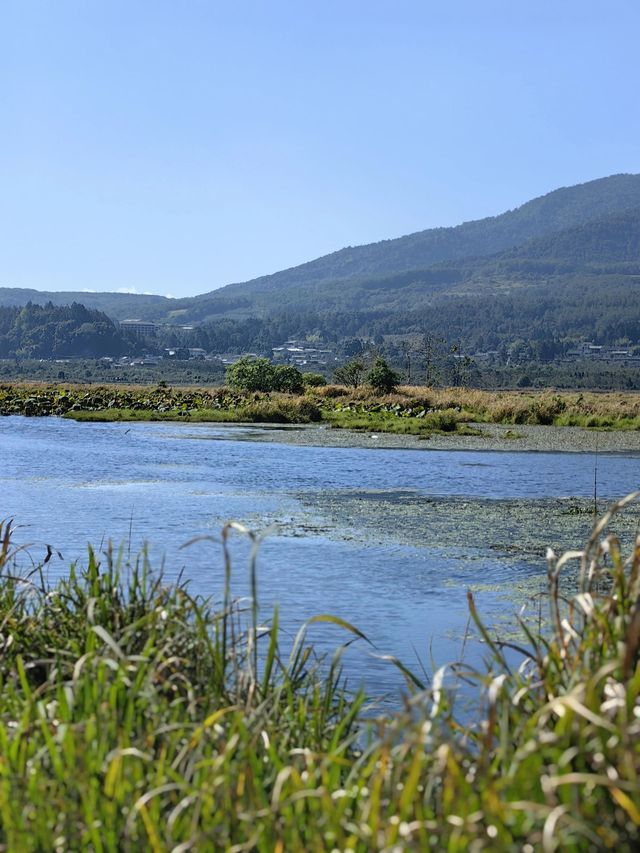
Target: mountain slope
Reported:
[(563, 208), (608, 245), (596, 224), (119, 306), (611, 239)]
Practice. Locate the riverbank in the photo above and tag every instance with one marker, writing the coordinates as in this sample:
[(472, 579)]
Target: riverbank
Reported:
[(454, 418), (491, 437), (135, 716)]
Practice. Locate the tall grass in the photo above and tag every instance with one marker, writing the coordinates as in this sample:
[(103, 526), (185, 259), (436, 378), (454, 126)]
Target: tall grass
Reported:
[(423, 409), (607, 410), (134, 716)]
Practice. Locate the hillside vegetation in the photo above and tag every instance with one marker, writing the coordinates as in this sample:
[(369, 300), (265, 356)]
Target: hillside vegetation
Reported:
[(528, 284), (561, 209), (418, 411), (36, 331)]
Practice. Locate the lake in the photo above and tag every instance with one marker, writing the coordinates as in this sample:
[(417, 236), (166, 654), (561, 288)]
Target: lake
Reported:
[(389, 540)]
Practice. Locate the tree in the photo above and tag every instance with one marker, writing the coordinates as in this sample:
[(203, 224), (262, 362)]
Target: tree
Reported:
[(350, 373), (287, 379), (382, 378), (251, 374), (258, 374), (313, 380), (430, 350)]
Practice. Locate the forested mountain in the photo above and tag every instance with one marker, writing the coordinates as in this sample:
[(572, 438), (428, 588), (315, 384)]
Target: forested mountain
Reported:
[(545, 296), (614, 239), (607, 247), (36, 331), (562, 268), (561, 209), (118, 306)]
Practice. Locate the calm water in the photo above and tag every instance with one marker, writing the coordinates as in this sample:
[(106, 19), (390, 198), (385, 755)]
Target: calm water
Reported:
[(387, 539)]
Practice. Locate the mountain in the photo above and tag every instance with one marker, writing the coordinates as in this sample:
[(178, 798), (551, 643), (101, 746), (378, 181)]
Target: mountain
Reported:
[(613, 239), (563, 208), (552, 291), (563, 266), (560, 210), (119, 306), (607, 245), (51, 331)]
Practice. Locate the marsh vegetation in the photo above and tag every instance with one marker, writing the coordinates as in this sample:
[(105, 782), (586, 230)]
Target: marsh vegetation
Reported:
[(133, 714), (408, 410)]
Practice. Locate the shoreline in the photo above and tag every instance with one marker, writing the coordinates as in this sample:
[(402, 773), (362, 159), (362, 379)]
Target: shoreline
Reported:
[(494, 438)]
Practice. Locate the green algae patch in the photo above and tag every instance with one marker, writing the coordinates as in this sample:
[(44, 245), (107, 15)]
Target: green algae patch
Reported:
[(422, 423)]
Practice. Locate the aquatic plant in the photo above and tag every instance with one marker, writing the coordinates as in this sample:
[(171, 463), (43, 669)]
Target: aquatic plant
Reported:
[(136, 716), (422, 409)]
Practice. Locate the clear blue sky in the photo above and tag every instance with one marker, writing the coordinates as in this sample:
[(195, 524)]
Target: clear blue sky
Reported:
[(173, 146)]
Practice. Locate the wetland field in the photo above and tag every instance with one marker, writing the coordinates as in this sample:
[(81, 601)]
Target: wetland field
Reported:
[(387, 545)]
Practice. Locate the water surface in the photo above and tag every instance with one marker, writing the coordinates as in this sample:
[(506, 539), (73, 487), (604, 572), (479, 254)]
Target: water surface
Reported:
[(387, 539)]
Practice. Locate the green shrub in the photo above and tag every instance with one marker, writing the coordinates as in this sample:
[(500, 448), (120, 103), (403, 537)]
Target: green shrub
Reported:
[(259, 374), (313, 380), (350, 374), (382, 378), (287, 379), (251, 374)]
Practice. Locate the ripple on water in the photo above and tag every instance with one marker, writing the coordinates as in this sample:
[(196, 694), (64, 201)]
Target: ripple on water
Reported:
[(387, 539)]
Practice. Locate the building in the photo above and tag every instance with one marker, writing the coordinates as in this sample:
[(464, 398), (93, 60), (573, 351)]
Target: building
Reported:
[(300, 353), (139, 328)]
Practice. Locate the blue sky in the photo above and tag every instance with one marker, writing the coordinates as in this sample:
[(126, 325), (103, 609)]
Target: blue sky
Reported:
[(174, 147)]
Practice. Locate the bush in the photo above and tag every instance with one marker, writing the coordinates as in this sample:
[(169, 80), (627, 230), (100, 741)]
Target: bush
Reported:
[(251, 374), (313, 380), (287, 379), (350, 374), (382, 378), (259, 374)]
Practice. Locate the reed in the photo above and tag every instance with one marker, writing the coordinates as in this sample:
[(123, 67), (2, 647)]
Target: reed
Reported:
[(423, 410), (134, 715)]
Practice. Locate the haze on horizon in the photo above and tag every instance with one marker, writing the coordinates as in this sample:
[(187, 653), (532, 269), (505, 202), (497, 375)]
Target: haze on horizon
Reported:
[(175, 148)]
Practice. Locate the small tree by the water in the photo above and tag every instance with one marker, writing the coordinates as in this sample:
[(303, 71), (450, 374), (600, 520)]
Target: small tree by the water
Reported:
[(259, 374), (382, 378), (350, 373), (313, 380), (288, 379), (250, 374)]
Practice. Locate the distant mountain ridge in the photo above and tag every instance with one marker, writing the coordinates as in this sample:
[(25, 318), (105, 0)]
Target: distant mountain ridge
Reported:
[(611, 239), (119, 306), (560, 209), (591, 229)]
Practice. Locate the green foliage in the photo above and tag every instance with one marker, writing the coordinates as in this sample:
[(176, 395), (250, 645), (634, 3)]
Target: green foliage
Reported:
[(382, 378), (399, 422), (313, 380), (135, 716), (95, 371), (108, 403), (251, 374), (259, 374), (350, 374), (288, 379), (49, 332), (404, 412)]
